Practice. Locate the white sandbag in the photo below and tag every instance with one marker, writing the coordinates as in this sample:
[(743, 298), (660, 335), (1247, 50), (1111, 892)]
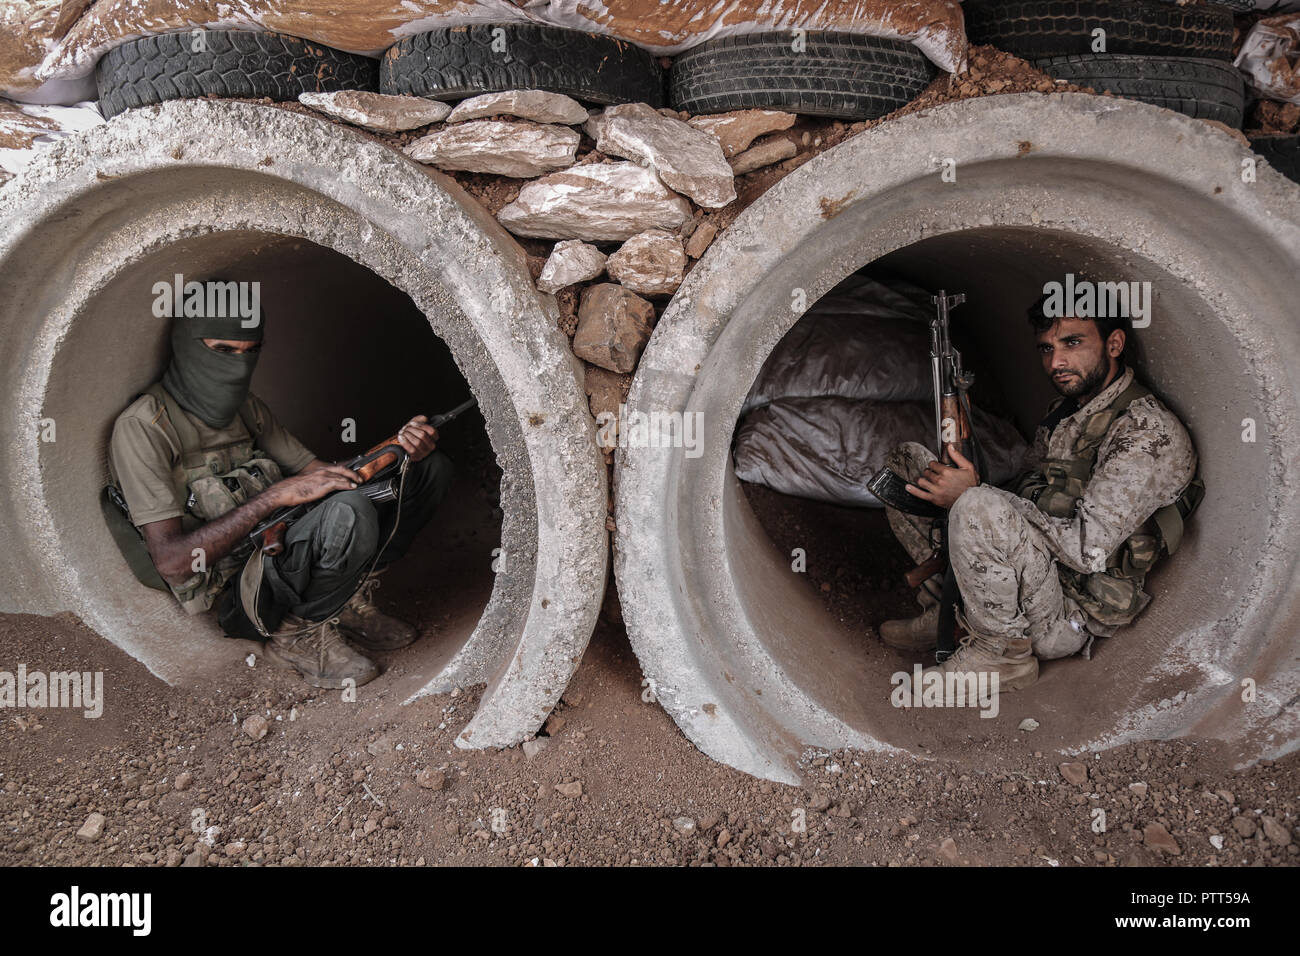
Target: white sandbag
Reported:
[(1270, 59), (827, 449), (864, 339)]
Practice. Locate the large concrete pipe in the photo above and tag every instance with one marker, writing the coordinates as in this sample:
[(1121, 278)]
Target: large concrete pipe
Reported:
[(360, 253), (738, 649)]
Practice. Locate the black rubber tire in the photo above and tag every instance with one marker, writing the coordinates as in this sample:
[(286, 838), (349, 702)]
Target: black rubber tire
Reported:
[(234, 63), (1041, 28), (1282, 153), (842, 75), (1205, 89), (459, 62)]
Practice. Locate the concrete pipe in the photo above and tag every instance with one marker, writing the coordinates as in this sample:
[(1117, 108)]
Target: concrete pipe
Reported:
[(365, 258), (736, 646)]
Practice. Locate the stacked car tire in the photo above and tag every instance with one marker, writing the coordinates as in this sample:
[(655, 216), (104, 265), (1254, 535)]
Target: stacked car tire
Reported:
[(1170, 55)]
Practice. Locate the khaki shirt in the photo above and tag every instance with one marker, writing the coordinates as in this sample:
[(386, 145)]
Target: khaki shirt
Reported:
[(144, 451), (1144, 463)]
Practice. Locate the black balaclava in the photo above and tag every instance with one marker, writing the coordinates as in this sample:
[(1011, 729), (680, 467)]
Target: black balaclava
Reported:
[(211, 385)]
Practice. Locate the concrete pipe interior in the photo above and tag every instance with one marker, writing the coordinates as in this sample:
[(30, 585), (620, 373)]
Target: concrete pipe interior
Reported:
[(341, 343), (388, 291), (744, 655)]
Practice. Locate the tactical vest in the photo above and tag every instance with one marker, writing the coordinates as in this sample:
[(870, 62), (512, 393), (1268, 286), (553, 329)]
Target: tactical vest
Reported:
[(1114, 596), (215, 480)]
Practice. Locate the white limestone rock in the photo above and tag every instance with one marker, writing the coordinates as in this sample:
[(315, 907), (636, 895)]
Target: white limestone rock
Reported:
[(570, 261), (598, 202), (381, 112), (536, 105), (518, 149), (651, 263), (687, 159)]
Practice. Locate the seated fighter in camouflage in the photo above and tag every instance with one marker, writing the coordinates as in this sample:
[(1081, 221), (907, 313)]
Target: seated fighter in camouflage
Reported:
[(200, 461), (1061, 556)]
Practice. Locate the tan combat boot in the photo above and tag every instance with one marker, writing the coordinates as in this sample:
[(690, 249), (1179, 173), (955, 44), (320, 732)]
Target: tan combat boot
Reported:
[(318, 652), (366, 625), (920, 633), (1013, 661)]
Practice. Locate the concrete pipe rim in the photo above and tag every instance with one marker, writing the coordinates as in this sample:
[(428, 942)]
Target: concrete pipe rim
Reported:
[(165, 174), (1056, 167)]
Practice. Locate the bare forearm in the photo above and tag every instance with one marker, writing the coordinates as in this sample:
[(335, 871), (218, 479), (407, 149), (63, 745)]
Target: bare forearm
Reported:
[(215, 539)]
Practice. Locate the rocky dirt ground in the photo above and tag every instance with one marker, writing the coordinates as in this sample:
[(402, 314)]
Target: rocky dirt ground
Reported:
[(255, 768)]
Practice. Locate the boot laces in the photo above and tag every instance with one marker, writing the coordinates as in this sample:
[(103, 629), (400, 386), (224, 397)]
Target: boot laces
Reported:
[(364, 599)]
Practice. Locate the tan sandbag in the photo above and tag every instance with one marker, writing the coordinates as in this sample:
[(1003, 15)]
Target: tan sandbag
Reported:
[(371, 26)]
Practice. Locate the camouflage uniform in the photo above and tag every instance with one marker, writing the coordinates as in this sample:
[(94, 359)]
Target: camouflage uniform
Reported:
[(1009, 557)]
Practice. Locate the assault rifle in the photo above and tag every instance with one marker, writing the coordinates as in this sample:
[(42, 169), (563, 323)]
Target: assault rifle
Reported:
[(952, 425), (378, 469)]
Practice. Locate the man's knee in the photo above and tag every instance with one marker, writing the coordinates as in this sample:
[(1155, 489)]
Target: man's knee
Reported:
[(982, 517), (347, 526)]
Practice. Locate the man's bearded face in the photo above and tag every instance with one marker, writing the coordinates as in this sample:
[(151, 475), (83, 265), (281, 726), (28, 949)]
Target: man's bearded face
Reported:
[(1074, 357)]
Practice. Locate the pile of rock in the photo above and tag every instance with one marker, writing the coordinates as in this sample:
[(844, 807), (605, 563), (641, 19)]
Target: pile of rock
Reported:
[(627, 216)]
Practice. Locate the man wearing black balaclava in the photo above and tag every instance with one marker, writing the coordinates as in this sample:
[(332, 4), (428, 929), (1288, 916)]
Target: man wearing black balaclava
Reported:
[(200, 461)]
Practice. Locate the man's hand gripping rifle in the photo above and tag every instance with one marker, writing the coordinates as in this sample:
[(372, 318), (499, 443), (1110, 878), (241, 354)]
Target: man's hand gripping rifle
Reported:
[(379, 469), (952, 424)]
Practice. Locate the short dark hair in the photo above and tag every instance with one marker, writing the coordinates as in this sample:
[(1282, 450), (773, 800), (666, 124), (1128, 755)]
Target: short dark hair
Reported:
[(1106, 324)]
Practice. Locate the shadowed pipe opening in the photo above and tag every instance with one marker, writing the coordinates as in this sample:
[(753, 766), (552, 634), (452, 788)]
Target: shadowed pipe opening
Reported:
[(180, 186), (745, 657)]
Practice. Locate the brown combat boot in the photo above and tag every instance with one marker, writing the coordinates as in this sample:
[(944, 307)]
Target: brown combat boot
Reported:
[(920, 633), (318, 652), (366, 625), (1013, 661)]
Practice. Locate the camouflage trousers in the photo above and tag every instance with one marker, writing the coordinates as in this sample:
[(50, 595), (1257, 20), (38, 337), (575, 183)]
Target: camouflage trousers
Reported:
[(1009, 581)]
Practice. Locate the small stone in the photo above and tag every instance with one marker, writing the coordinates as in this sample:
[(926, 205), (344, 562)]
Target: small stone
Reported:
[(1028, 725), (381, 112), (174, 856), (596, 202), (554, 724), (605, 391), (736, 130), (536, 105), (517, 149), (236, 849), (614, 325), (1139, 789), (651, 263), (92, 829), (724, 837), (194, 859), (948, 850), (1156, 837), (571, 261), (701, 239), (1075, 773), (535, 746), (1244, 825), (431, 779), (684, 825), (710, 820), (819, 801), (1277, 833), (571, 789), (1216, 840), (184, 780), (1226, 796), (381, 746), (766, 153), (256, 726)]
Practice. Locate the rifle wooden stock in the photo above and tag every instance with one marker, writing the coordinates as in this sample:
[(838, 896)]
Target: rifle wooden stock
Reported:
[(950, 410), (936, 563)]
